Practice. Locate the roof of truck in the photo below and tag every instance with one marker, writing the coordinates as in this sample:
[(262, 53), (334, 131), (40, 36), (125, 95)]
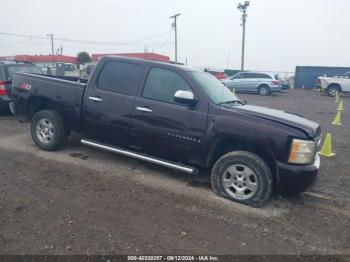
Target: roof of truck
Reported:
[(182, 67)]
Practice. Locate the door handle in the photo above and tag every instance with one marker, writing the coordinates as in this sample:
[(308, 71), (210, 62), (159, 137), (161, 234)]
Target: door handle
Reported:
[(144, 109), (96, 99)]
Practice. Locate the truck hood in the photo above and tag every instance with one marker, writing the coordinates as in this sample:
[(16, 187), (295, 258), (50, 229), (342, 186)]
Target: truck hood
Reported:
[(282, 117)]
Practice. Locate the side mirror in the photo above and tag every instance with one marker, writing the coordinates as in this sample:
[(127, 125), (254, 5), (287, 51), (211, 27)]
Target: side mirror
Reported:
[(185, 97)]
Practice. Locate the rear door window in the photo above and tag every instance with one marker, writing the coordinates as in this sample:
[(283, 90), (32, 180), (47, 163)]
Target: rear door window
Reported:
[(162, 84), (264, 76), (251, 75), (119, 77), (257, 75)]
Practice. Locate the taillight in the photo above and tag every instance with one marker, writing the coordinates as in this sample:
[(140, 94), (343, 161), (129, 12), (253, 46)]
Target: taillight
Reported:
[(25, 86), (275, 82), (3, 91)]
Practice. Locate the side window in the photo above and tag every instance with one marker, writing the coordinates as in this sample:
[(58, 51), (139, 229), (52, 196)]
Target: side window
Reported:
[(239, 76), (119, 77), (248, 75), (162, 85), (264, 76)]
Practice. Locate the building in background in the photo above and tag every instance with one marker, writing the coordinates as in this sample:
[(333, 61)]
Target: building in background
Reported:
[(306, 76), (41, 58)]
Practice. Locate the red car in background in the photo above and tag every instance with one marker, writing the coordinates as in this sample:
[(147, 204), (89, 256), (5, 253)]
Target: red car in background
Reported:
[(219, 75)]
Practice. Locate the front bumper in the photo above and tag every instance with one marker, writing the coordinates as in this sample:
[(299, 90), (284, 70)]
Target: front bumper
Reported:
[(296, 179)]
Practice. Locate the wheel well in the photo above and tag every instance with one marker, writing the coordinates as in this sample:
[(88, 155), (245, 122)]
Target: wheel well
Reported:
[(229, 145), (37, 104), (334, 85)]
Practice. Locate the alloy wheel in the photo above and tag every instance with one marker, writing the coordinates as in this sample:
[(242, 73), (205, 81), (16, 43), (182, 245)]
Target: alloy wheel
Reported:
[(45, 131), (240, 182)]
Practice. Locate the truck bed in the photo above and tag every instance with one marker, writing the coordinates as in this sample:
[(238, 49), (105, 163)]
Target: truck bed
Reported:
[(66, 93)]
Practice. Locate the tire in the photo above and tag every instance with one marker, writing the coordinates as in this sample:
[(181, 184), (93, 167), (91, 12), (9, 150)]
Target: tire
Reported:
[(48, 131), (332, 90), (251, 174), (264, 90)]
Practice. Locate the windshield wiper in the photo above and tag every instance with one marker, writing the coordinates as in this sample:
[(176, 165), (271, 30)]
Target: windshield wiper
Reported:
[(239, 102)]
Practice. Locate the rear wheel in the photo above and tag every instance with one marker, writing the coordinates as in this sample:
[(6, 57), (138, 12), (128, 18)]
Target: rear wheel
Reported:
[(244, 177), (264, 90), (332, 90), (47, 130)]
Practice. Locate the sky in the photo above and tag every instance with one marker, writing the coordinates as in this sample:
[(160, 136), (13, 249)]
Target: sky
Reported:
[(281, 34)]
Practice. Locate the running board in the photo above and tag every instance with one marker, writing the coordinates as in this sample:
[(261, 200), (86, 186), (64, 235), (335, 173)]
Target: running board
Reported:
[(158, 161)]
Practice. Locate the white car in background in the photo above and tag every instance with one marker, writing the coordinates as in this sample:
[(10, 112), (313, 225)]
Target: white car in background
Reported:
[(335, 84)]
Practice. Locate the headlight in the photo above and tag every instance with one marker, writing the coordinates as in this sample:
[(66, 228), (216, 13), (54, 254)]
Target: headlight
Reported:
[(302, 152)]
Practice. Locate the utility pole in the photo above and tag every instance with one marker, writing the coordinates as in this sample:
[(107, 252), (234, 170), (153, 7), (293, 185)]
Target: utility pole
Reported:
[(175, 27), (243, 8), (52, 48)]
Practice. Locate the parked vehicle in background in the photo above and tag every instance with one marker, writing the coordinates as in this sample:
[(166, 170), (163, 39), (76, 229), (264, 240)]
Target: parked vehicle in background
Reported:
[(285, 85), (253, 82), (90, 68), (175, 117), (219, 75), (7, 71), (334, 84)]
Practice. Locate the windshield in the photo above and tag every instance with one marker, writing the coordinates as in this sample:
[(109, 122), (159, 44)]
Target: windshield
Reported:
[(217, 92), (21, 69)]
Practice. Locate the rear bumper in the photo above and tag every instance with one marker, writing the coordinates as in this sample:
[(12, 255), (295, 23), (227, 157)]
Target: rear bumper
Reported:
[(4, 102), (297, 179), (13, 108), (274, 89)]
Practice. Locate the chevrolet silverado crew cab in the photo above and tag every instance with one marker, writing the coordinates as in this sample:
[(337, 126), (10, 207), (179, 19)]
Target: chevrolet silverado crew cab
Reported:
[(178, 118)]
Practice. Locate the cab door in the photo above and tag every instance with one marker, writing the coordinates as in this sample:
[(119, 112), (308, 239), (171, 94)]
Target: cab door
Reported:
[(162, 127), (109, 101)]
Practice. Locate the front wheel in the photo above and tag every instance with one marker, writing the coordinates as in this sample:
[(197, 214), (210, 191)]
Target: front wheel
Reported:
[(332, 90), (264, 90), (47, 130), (244, 177)]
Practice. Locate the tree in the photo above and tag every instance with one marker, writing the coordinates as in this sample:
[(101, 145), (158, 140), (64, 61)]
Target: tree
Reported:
[(83, 57)]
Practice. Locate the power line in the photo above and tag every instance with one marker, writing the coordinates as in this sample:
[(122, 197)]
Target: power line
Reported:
[(133, 42)]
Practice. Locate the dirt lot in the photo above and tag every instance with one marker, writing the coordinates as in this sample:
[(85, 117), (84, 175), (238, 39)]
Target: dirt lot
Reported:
[(85, 201)]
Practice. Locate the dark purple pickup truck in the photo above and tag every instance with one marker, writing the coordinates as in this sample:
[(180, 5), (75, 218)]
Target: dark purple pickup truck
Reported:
[(178, 118)]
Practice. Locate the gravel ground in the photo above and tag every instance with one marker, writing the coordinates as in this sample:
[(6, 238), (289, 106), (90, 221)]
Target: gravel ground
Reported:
[(85, 201)]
